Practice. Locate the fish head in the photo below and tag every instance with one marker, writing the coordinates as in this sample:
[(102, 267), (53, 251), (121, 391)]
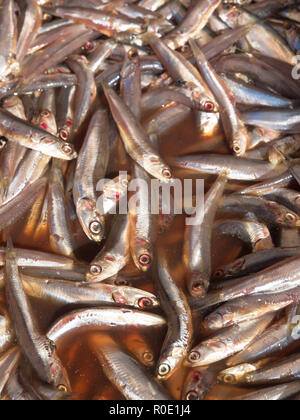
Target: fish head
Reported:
[(204, 102), (170, 362), (157, 168), (140, 299), (104, 268), (230, 14), (143, 254), (233, 375), (219, 274), (197, 284), (207, 353), (46, 120), (91, 221), (241, 142), (230, 271), (214, 321), (196, 385), (283, 216), (54, 146), (57, 374)]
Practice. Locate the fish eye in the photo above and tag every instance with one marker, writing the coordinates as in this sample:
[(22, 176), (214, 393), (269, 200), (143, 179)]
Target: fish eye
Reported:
[(64, 135), (88, 46), (229, 379), (145, 303), (197, 287), (45, 114), (191, 396), (290, 218), (194, 356), (62, 388), (166, 173), (121, 282), (95, 269), (95, 227), (236, 149), (133, 53), (145, 260), (179, 83), (3, 141), (67, 149), (124, 182), (148, 357), (209, 107), (163, 369), (219, 274)]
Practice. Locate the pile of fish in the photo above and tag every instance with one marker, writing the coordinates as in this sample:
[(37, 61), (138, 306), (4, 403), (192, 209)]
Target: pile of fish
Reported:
[(98, 99)]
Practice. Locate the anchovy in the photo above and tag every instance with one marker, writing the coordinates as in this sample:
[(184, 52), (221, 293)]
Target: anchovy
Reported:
[(118, 366)]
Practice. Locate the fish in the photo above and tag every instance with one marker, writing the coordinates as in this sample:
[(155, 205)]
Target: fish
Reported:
[(86, 91), (181, 69), (143, 223), (266, 211), (118, 367), (60, 230), (198, 238), (8, 39), (253, 262), (85, 179), (256, 235), (135, 140), (233, 124), (275, 393), (102, 319), (284, 371), (245, 309), (174, 303), (262, 37), (228, 342), (64, 292), (105, 22), (198, 383), (275, 339), (113, 276), (30, 28), (115, 254), (21, 203), (270, 280), (285, 120), (7, 337), (35, 138), (238, 168), (39, 350), (61, 47), (8, 364), (191, 26)]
